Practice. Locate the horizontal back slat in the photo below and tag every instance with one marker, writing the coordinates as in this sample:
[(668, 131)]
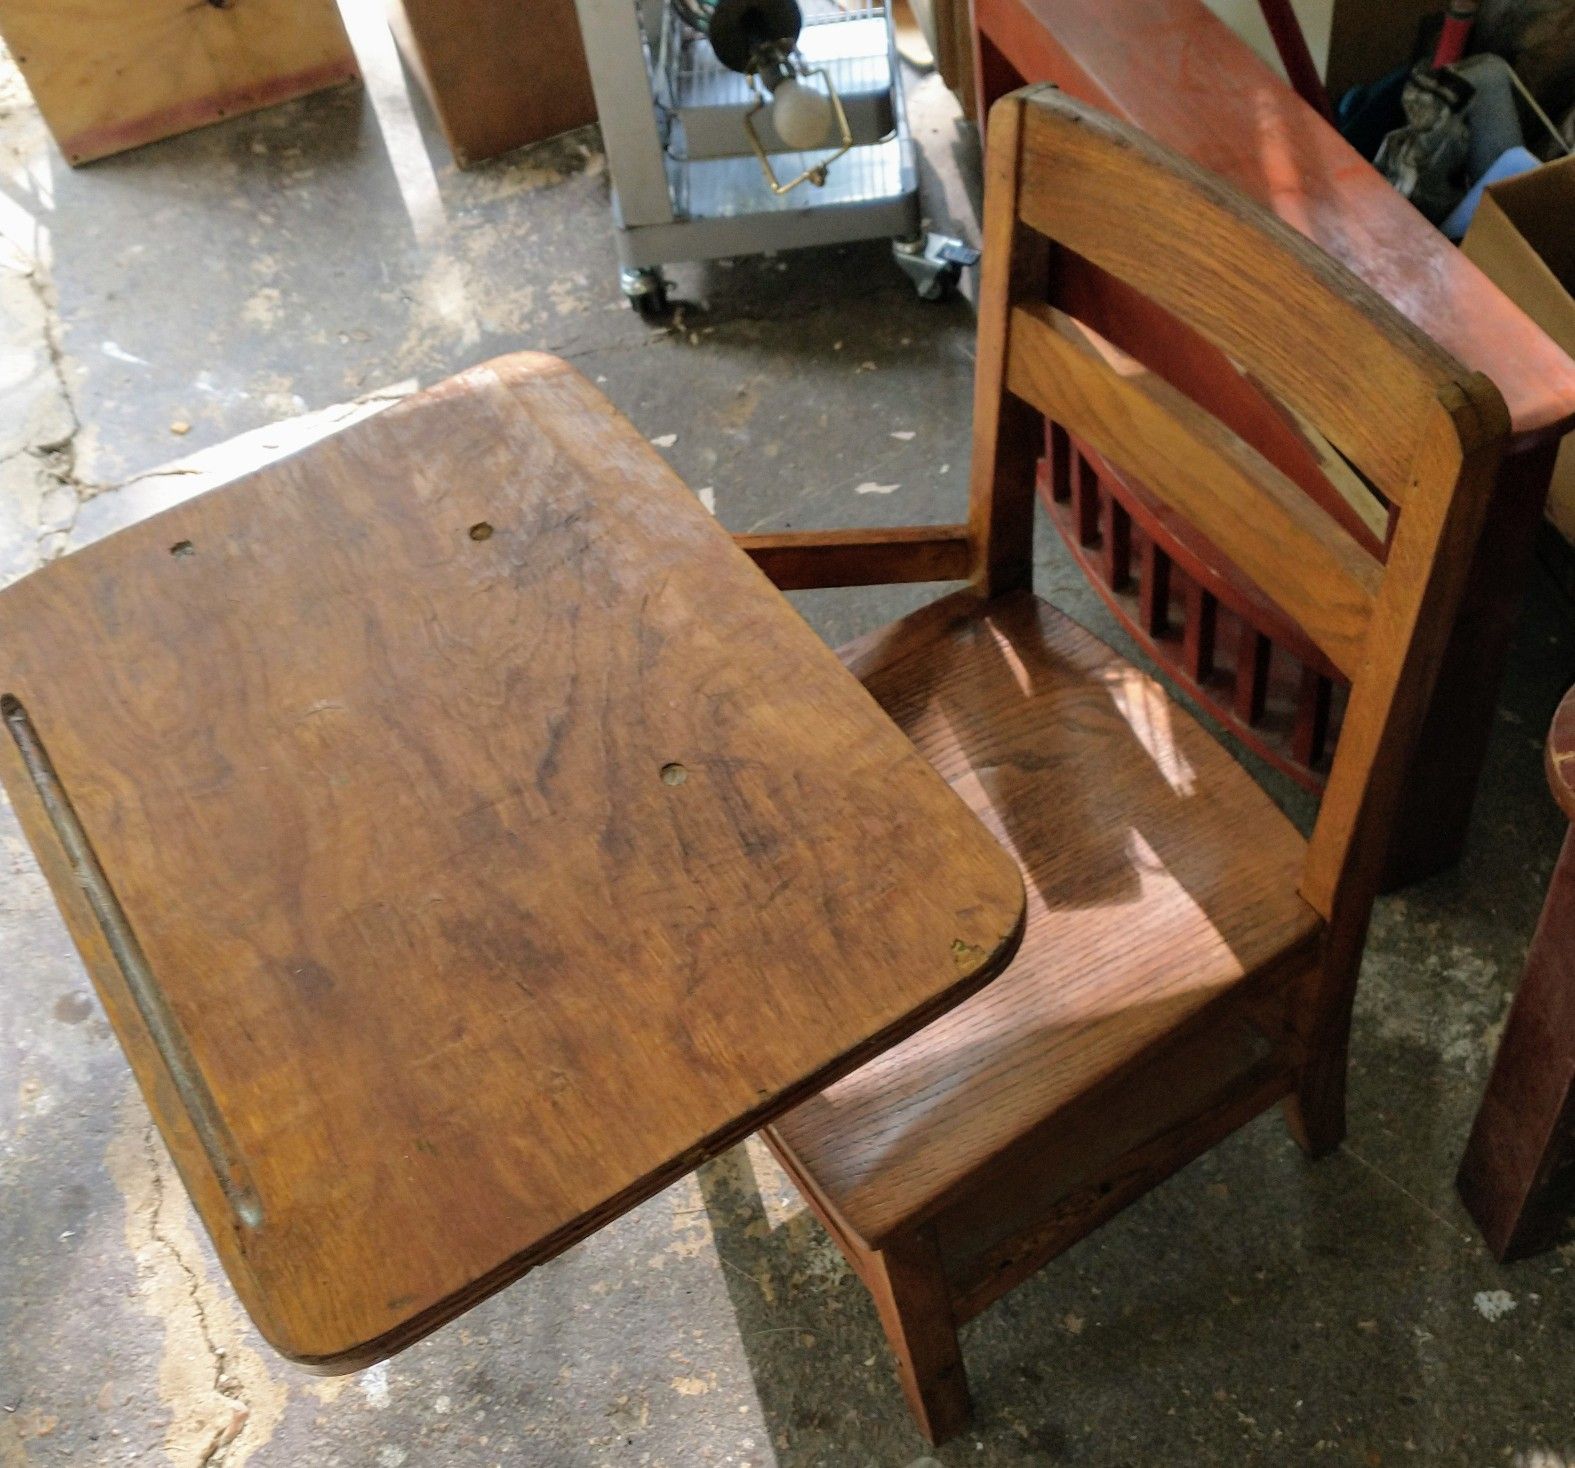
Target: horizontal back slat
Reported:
[(1302, 324), (1253, 514)]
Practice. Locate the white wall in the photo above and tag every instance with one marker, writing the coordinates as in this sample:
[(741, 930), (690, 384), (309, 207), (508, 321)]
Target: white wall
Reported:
[(1245, 18)]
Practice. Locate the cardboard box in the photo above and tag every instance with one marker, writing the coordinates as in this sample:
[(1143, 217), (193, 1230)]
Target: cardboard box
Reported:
[(1523, 239)]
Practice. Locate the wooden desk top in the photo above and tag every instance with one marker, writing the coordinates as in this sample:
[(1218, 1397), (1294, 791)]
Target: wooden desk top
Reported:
[(466, 841), (1178, 72)]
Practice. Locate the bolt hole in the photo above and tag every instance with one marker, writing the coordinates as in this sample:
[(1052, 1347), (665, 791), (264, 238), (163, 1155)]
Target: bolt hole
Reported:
[(674, 774), (183, 548), (481, 531)]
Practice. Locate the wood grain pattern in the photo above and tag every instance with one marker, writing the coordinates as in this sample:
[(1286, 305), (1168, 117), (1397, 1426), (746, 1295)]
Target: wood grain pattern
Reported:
[(497, 843), (1188, 959), (1238, 276), (108, 75), (1159, 878), (498, 73), (1005, 449), (1259, 521)]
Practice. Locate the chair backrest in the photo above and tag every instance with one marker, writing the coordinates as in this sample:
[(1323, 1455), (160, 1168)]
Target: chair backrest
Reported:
[(1420, 429)]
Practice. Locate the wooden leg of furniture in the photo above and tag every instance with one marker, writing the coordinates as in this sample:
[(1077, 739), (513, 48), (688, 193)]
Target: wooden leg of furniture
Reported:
[(1520, 1161), (1442, 780), (915, 1307), (994, 76), (1315, 1110)]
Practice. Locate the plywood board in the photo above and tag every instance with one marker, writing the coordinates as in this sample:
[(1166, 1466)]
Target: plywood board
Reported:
[(108, 75)]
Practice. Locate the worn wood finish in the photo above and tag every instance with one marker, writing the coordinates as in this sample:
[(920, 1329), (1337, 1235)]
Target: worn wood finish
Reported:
[(1188, 959), (1160, 879), (1005, 454), (800, 560), (1259, 294), (498, 73), (1517, 1176), (1257, 518), (453, 873), (108, 75)]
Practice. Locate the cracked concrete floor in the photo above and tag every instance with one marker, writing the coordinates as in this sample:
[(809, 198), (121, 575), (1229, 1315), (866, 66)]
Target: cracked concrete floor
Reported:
[(1255, 1309)]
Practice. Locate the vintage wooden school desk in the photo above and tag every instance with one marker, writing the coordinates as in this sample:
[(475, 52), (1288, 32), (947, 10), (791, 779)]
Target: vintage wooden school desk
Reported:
[(466, 840)]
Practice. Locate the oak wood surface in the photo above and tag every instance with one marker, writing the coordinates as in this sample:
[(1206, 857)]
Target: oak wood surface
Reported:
[(108, 75), (1260, 294), (1159, 876), (1260, 521), (1172, 68), (466, 840)]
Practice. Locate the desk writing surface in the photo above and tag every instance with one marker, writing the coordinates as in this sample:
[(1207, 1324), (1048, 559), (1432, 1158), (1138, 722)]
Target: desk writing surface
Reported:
[(465, 841)]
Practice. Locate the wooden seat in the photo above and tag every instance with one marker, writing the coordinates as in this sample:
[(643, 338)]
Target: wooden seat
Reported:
[(1161, 880), (466, 841), (1189, 960)]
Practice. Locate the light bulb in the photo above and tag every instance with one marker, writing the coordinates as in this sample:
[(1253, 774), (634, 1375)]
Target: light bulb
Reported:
[(801, 115)]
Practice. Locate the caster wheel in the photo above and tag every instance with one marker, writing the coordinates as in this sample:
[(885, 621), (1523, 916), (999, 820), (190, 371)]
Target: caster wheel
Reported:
[(647, 293), (653, 306), (934, 263)]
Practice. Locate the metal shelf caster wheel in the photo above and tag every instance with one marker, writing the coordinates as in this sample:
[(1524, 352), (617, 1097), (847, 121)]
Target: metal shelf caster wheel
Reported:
[(934, 263), (647, 293)]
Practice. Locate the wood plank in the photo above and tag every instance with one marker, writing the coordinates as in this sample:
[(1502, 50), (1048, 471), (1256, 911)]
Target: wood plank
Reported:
[(1006, 434), (801, 560), (1428, 569), (498, 73), (108, 75), (1160, 882), (466, 841), (1263, 523), (1239, 276)]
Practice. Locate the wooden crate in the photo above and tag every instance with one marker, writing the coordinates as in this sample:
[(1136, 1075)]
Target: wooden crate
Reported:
[(108, 75), (498, 73)]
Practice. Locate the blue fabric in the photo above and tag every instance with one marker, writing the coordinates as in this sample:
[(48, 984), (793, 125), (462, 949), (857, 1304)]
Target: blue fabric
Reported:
[(1508, 164)]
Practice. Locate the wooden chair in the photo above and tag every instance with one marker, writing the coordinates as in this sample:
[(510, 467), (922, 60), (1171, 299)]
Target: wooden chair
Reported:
[(1175, 70), (1189, 959)]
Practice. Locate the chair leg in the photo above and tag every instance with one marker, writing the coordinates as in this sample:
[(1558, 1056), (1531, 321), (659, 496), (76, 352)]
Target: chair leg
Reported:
[(915, 1307), (1315, 1110)]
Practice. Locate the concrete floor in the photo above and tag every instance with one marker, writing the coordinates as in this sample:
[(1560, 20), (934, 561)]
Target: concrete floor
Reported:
[(1254, 1309)]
